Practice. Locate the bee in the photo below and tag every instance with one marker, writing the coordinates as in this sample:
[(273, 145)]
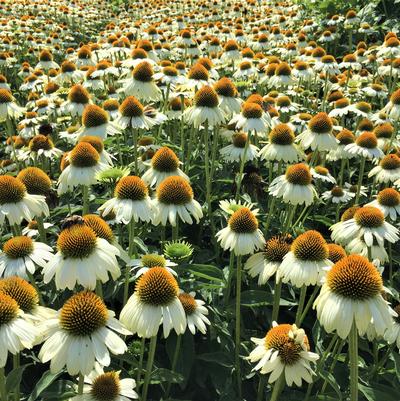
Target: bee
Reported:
[(71, 221)]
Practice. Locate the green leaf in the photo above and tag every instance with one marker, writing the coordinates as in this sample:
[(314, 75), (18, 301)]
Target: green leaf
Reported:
[(220, 358), (379, 392), (259, 298), (208, 272), (165, 375), (44, 382), (15, 376), (332, 382)]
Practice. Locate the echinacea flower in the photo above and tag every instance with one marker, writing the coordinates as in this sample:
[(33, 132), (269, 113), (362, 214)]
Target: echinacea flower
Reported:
[(392, 333), (368, 222), (242, 235), (266, 263), (83, 168), (78, 98), (284, 350), (236, 151), (20, 256), (388, 170), (155, 302), (366, 145), (338, 195), (16, 204), (251, 118), (196, 312), (352, 294), (164, 163), (81, 333), (295, 186), (388, 201), (8, 108), (101, 386), (319, 134), (148, 261), (16, 333), (131, 201), (82, 258), (307, 262), (174, 198), (205, 108), (281, 146)]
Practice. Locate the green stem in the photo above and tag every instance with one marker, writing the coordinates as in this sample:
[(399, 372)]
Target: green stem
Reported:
[(140, 365), (175, 231), (16, 364), (149, 367), (277, 298), (261, 387), (229, 280), (3, 390), (241, 168), (237, 325), (360, 180), (353, 353), (99, 289), (41, 229), (81, 382), (300, 307), (135, 150), (174, 363), (270, 214), (390, 254), (309, 304), (278, 387), (132, 251), (85, 196), (335, 354), (33, 282), (341, 173)]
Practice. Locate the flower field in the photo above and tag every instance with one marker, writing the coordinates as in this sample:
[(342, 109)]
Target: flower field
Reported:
[(199, 201)]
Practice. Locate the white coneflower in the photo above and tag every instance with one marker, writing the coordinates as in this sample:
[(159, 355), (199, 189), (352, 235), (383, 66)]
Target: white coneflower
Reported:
[(102, 386), (80, 334), (322, 174), (174, 199), (16, 333), (230, 101), (242, 235), (148, 261), (266, 263), (21, 254), (392, 108), (131, 201), (132, 114), (78, 99), (386, 136), (95, 122), (388, 170), (155, 302), (284, 350), (319, 134), (376, 251), (237, 149), (392, 334), (41, 146), (230, 206), (368, 222), (46, 61), (251, 118), (196, 312), (27, 298), (205, 108), (338, 195), (295, 186), (82, 258), (83, 168), (142, 84), (17, 204), (361, 109), (352, 294), (68, 73), (345, 137), (307, 262), (366, 145), (281, 146), (283, 76), (8, 108), (328, 65), (98, 144), (164, 163), (388, 201), (32, 229)]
